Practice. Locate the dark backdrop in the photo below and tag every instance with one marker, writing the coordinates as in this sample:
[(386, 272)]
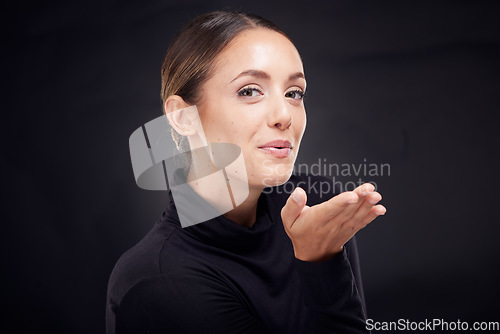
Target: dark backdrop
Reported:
[(414, 84)]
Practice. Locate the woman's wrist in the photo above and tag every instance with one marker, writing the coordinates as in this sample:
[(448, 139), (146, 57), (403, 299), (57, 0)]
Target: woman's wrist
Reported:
[(316, 257)]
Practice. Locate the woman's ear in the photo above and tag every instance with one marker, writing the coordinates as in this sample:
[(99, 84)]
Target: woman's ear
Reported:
[(178, 117)]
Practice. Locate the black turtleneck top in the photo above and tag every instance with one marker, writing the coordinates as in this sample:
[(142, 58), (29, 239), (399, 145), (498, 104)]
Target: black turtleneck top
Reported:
[(221, 277)]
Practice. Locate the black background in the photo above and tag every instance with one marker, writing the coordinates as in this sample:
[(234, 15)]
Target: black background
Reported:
[(414, 84)]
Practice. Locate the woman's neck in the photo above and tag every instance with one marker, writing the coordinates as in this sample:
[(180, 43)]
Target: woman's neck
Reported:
[(245, 214), (228, 197), (216, 194)]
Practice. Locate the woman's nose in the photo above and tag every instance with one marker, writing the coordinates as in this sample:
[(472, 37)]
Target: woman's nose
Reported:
[(281, 117)]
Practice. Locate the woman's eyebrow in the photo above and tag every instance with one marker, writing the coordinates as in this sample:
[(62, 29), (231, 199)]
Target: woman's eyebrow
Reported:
[(298, 75), (253, 73), (264, 75)]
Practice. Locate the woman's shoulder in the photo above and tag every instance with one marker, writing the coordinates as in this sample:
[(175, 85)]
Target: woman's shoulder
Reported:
[(139, 262), (163, 254), (158, 272), (154, 257)]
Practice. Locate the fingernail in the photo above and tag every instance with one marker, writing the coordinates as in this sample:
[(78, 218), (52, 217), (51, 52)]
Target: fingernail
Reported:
[(367, 190), (295, 197), (374, 199)]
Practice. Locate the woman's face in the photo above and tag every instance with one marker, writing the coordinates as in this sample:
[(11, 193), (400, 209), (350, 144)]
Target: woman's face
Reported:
[(254, 100)]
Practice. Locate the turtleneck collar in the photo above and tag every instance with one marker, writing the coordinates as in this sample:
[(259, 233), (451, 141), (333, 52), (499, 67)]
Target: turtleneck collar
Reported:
[(221, 231)]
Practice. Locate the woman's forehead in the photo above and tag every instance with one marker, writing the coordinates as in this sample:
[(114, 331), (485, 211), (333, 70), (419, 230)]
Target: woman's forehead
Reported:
[(259, 49)]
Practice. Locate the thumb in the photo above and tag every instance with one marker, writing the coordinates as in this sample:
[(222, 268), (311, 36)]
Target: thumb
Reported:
[(293, 207)]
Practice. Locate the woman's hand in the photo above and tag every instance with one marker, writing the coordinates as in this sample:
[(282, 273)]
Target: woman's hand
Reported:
[(319, 232)]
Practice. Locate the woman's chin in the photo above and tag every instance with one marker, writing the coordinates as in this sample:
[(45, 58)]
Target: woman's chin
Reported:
[(274, 180), (276, 175)]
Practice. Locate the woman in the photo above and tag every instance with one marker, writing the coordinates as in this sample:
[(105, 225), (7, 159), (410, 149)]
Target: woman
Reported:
[(277, 262)]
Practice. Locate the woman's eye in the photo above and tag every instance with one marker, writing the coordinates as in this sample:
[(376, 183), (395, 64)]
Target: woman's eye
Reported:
[(295, 94), (250, 92)]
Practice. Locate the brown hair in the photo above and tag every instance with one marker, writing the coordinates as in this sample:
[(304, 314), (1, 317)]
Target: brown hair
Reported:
[(192, 51)]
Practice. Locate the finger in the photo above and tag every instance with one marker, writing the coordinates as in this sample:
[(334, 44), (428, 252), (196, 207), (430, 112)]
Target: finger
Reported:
[(364, 189), (368, 203), (293, 207), (377, 210), (334, 206)]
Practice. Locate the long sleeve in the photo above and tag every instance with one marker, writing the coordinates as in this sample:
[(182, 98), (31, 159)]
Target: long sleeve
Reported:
[(333, 293)]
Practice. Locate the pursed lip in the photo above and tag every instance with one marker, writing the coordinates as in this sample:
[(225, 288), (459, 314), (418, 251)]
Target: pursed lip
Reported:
[(278, 143), (279, 148)]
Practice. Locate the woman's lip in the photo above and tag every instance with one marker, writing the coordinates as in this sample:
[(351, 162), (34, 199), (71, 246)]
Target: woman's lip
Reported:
[(278, 143), (277, 152)]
